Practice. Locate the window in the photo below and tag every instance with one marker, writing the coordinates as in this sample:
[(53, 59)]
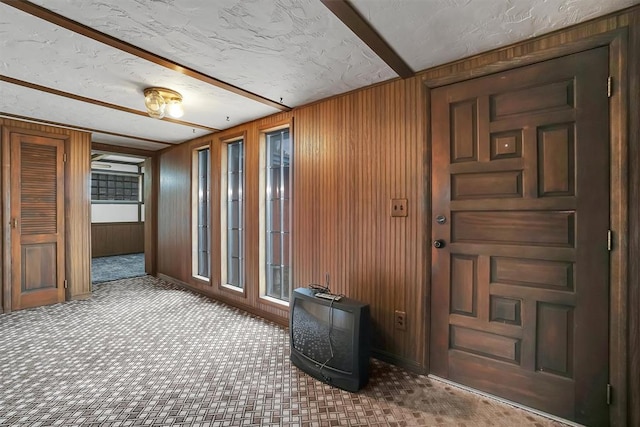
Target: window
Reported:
[(276, 214), (117, 189), (112, 187), (201, 221), (233, 215)]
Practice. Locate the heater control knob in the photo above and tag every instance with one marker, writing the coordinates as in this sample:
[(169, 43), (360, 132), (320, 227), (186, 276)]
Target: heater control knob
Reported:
[(438, 244)]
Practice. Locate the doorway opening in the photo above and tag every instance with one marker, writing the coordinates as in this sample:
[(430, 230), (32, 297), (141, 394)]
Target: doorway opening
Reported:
[(117, 216)]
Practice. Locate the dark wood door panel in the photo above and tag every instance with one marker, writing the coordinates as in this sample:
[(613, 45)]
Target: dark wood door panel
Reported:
[(519, 289), (531, 228), (484, 374)]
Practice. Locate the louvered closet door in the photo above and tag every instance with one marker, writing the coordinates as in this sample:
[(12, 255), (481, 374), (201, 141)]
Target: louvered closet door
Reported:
[(37, 221)]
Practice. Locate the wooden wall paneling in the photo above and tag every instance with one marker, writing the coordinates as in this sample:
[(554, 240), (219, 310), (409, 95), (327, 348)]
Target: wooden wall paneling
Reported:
[(633, 61), (174, 205), (305, 191), (117, 238), (174, 213), (5, 288), (252, 229), (151, 179), (355, 153), (251, 296), (78, 215), (416, 232), (109, 148)]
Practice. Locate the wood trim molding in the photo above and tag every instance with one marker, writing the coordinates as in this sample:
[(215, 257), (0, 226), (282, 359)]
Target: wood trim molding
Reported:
[(587, 35), (97, 102), (98, 146), (284, 322), (407, 364), (619, 223), (6, 214), (346, 12), (151, 188), (633, 61), (113, 42), (77, 128)]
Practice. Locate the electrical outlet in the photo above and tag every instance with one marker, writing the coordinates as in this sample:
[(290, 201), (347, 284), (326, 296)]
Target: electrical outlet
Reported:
[(400, 320), (399, 207)]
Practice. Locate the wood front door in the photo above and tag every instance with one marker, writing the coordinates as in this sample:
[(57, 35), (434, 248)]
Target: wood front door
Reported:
[(36, 220), (520, 279)]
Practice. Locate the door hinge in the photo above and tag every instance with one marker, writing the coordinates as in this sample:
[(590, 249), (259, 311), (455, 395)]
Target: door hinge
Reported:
[(64, 157), (609, 394), (609, 239), (66, 284), (609, 86)]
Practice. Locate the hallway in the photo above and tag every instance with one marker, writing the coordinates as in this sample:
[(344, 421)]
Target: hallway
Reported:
[(109, 268)]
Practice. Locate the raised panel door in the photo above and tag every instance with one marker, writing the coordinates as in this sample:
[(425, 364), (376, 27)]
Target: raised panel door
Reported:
[(520, 287)]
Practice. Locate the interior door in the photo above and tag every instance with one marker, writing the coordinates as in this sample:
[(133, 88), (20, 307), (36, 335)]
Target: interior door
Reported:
[(37, 220), (520, 221)]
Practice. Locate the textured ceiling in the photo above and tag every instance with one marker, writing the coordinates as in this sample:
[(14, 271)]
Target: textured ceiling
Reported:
[(289, 52)]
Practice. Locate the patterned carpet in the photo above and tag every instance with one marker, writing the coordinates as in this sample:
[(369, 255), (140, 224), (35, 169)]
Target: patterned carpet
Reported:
[(109, 268), (142, 352)]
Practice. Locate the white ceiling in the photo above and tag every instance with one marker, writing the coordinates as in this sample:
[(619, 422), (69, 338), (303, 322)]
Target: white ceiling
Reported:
[(288, 52)]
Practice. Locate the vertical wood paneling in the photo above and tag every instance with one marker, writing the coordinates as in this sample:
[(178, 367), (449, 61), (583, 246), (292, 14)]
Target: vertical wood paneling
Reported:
[(633, 402), (151, 180), (78, 221), (354, 153), (116, 238), (77, 201), (174, 217), (5, 273), (174, 213)]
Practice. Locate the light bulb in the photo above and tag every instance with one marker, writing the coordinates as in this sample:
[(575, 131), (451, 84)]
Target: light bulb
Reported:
[(174, 108)]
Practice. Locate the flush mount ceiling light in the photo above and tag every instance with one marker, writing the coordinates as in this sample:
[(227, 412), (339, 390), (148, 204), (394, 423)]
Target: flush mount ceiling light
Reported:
[(162, 102)]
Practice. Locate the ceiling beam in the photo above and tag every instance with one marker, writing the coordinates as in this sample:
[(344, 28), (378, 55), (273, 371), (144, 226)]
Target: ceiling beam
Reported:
[(86, 31), (118, 149), (80, 128), (52, 91), (345, 12)]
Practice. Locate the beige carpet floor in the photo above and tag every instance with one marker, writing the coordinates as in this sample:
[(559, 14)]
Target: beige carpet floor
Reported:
[(142, 352)]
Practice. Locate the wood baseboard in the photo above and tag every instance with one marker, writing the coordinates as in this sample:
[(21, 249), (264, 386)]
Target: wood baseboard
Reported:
[(251, 310), (84, 296), (409, 365)]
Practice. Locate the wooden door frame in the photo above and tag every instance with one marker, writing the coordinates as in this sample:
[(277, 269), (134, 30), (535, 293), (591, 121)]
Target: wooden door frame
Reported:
[(6, 214), (621, 62), (150, 191)]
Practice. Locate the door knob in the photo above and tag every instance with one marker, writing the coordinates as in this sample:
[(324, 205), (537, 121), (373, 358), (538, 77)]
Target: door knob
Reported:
[(438, 244)]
